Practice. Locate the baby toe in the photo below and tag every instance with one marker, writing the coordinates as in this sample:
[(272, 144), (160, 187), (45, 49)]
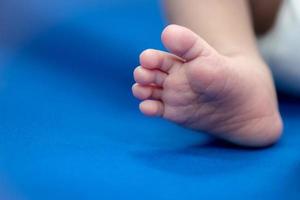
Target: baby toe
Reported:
[(152, 108), (155, 59), (145, 76), (146, 92)]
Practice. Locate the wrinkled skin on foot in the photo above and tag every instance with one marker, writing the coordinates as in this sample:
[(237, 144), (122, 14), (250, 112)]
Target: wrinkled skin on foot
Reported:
[(193, 85)]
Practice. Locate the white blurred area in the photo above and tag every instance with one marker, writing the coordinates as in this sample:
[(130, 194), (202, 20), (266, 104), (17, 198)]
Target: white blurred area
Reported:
[(281, 48)]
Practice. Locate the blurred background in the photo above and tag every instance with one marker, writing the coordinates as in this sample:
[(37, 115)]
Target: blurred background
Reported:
[(70, 128)]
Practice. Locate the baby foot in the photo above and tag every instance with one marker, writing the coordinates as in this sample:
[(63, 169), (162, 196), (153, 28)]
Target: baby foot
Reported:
[(230, 97)]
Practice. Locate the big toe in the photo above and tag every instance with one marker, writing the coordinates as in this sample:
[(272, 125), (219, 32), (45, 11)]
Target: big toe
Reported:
[(185, 43)]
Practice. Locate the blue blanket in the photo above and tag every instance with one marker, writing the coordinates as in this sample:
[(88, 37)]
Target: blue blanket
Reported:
[(70, 128)]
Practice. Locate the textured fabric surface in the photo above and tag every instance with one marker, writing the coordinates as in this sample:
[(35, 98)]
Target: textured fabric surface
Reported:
[(70, 128)]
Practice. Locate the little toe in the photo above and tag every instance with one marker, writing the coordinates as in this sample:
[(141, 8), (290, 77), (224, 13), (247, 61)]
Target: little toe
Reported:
[(145, 76), (146, 92), (152, 108), (155, 59)]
